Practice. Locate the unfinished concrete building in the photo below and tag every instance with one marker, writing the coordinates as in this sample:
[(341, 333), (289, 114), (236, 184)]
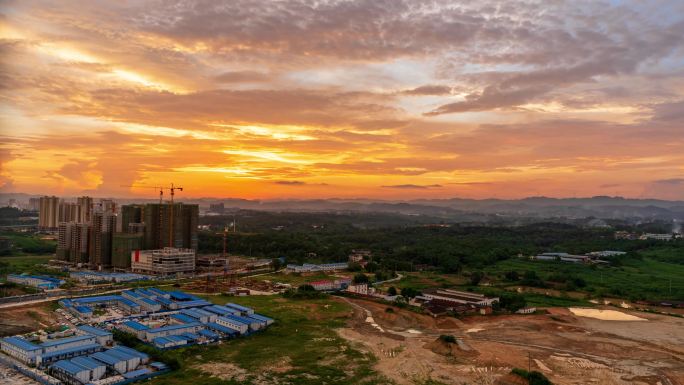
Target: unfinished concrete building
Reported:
[(164, 262)]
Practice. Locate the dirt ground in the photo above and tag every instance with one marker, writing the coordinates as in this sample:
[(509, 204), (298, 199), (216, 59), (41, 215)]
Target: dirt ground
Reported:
[(568, 349), (24, 319)]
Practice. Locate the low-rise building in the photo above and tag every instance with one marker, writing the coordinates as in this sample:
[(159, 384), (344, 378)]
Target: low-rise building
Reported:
[(38, 281), (459, 297), (310, 268), (563, 257), (164, 262)]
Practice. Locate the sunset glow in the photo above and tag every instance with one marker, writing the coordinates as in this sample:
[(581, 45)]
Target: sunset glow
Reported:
[(367, 99)]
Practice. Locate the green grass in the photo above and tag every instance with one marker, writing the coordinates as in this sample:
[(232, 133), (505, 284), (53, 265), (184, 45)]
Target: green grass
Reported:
[(303, 337), (298, 279), (30, 264), (639, 279), (29, 244)]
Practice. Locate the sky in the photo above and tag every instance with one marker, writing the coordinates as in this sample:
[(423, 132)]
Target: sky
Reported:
[(385, 99)]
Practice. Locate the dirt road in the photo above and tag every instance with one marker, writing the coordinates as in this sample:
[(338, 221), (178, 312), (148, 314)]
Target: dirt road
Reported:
[(567, 348)]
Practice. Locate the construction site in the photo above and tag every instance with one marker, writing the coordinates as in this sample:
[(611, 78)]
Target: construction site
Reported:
[(569, 346)]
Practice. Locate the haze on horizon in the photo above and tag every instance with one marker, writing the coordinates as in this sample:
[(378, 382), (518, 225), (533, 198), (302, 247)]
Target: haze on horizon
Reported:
[(313, 99)]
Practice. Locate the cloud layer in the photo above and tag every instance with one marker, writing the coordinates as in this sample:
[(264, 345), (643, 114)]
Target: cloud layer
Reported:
[(385, 99)]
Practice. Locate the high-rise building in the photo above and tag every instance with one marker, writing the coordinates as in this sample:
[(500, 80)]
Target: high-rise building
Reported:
[(85, 205), (63, 240), (72, 243), (67, 212), (102, 227), (123, 244), (48, 212), (130, 214), (107, 205), (34, 204), (168, 225), (80, 242)]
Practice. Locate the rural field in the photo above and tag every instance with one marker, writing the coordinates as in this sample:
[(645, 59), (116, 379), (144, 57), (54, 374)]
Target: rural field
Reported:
[(341, 340), (302, 347)]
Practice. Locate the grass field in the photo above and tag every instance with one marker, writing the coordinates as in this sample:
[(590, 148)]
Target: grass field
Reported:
[(647, 278), (298, 279), (30, 264), (301, 347)]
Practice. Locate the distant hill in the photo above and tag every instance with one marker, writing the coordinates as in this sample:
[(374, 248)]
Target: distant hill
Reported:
[(603, 207)]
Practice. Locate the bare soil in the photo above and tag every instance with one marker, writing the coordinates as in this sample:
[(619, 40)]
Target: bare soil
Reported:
[(569, 349), (24, 319)]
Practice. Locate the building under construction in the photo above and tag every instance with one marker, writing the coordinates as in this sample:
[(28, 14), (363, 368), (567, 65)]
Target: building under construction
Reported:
[(163, 224), (164, 262), (123, 244)]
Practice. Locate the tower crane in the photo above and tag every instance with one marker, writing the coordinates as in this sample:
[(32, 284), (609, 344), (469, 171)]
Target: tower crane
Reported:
[(172, 189)]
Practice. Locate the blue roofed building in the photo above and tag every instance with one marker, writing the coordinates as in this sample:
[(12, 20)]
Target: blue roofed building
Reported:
[(172, 330), (70, 373), (97, 369), (103, 337), (20, 349), (244, 310)]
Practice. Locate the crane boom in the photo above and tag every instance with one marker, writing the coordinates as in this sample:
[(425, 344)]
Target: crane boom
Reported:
[(172, 189)]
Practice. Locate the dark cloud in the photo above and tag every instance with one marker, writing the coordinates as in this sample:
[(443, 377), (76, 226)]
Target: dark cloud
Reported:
[(413, 186), (671, 181), (428, 90), (298, 183)]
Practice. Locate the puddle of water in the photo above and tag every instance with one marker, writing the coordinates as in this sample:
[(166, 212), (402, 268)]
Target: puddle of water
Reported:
[(474, 330)]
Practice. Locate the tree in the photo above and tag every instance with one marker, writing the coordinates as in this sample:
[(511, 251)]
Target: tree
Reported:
[(476, 277), (392, 290), (360, 278), (512, 276), (512, 302), (354, 266), (276, 264), (410, 292)]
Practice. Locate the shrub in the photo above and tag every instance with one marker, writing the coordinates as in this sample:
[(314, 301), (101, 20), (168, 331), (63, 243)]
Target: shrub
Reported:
[(449, 339)]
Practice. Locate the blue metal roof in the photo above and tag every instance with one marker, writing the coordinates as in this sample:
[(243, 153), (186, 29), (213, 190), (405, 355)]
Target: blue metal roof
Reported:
[(87, 363), (68, 367), (173, 327), (158, 291), (83, 309), (63, 341), (135, 325), (164, 301), (99, 298), (106, 358), (136, 373), (208, 334), (121, 354), (190, 336), (177, 338), (221, 328), (220, 310), (21, 343), (193, 303), (238, 307), (239, 319), (161, 341), (261, 317), (128, 302), (180, 296), (130, 351), (131, 293), (81, 348), (94, 331), (201, 311), (184, 318)]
